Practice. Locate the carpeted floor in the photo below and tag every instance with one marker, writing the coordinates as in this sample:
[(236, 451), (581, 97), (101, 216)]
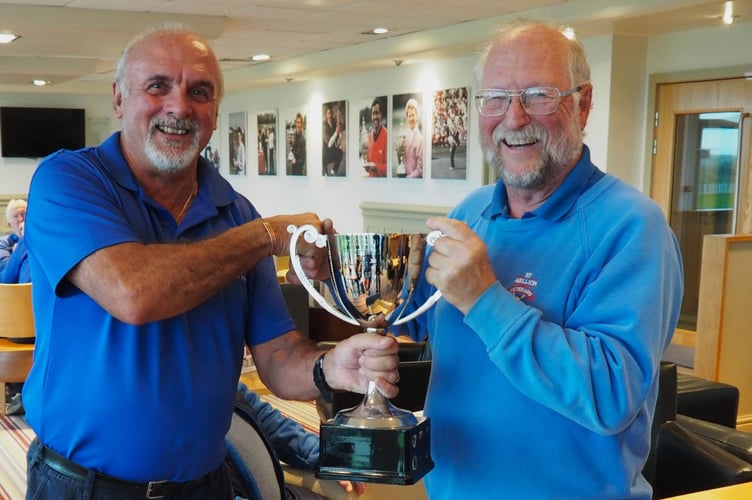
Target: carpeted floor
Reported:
[(15, 437)]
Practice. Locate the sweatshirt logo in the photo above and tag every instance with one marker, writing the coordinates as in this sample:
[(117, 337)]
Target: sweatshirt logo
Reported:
[(524, 287)]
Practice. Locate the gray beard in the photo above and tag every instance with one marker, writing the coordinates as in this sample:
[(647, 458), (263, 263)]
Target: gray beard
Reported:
[(172, 159), (559, 153)]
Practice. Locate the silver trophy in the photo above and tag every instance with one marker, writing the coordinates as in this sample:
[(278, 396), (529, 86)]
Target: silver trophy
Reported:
[(372, 279)]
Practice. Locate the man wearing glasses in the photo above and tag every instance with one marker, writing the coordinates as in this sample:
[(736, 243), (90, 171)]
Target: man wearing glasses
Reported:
[(561, 289)]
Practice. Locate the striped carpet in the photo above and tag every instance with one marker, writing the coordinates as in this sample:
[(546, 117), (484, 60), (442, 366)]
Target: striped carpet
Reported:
[(15, 437), (303, 412)]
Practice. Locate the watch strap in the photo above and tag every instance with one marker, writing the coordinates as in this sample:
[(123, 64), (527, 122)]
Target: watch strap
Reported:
[(320, 379)]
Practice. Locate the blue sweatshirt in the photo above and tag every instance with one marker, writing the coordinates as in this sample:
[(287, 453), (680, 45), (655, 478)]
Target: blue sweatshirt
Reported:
[(547, 387)]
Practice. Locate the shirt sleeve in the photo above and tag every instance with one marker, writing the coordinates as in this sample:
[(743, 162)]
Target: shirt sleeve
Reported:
[(290, 441)]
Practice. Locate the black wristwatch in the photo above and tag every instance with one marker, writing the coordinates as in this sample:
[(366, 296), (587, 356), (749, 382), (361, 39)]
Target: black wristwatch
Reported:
[(320, 379)]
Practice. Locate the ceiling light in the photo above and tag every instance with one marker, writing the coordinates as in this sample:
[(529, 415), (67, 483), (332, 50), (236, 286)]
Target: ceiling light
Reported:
[(8, 37), (380, 31), (728, 13), (568, 32), (261, 57), (39, 82)]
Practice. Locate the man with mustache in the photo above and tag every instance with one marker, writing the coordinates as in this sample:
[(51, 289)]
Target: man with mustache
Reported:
[(561, 289), (150, 275)]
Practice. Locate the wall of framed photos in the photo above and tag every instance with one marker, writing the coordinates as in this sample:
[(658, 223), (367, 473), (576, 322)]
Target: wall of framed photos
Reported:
[(438, 94), (360, 142), (618, 132)]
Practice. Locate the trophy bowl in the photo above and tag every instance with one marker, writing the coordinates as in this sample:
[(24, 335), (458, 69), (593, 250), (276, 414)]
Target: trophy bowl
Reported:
[(371, 281)]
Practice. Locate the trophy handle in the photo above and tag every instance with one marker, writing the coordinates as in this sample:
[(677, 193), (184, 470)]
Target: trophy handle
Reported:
[(311, 235), (430, 240)]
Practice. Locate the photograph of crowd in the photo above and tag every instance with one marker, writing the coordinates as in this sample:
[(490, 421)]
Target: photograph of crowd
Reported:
[(237, 123), (449, 138), (266, 126)]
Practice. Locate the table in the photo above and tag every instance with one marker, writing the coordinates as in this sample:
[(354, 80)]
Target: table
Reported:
[(735, 492)]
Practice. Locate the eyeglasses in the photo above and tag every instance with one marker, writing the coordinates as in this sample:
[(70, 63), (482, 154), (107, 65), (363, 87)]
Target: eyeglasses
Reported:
[(535, 100)]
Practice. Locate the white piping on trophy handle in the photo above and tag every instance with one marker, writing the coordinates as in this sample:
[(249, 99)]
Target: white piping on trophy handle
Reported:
[(311, 234), (433, 236), (298, 268)]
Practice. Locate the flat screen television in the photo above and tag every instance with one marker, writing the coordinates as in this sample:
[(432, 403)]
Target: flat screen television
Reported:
[(37, 132)]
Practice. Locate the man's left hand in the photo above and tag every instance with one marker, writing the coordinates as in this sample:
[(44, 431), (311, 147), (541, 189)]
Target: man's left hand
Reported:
[(459, 265), (361, 358)]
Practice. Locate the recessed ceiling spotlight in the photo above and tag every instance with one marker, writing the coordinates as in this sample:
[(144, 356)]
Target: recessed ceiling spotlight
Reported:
[(261, 57), (8, 37), (39, 82), (380, 31), (728, 13)]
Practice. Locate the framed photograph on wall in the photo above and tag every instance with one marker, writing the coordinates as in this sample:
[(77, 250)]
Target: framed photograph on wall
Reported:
[(334, 139), (266, 131), (211, 150), (373, 142), (237, 126), (449, 138), (295, 143), (408, 142)]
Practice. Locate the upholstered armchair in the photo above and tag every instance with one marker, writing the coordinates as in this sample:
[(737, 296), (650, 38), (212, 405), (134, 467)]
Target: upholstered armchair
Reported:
[(684, 456)]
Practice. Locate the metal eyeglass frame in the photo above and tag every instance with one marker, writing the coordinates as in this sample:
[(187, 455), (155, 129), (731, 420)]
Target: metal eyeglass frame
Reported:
[(523, 95)]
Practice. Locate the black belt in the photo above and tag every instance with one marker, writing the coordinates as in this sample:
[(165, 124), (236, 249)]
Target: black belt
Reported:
[(152, 489)]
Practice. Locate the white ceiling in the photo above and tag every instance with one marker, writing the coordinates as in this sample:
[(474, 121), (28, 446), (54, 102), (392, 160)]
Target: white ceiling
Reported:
[(75, 43)]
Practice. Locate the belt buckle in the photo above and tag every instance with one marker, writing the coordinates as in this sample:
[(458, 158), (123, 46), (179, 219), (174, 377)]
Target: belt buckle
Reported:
[(155, 485)]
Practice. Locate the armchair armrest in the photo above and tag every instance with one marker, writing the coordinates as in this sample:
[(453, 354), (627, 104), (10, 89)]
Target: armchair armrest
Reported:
[(687, 462), (734, 441)]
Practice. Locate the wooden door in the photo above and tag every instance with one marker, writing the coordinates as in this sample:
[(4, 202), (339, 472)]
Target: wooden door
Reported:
[(700, 174)]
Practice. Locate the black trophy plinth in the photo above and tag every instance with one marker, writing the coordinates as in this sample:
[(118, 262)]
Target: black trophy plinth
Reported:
[(375, 455)]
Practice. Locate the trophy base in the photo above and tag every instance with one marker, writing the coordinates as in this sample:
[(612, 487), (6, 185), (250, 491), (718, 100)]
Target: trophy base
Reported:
[(392, 456)]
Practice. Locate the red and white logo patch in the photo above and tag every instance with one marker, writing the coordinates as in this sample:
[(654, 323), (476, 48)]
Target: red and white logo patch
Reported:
[(524, 287)]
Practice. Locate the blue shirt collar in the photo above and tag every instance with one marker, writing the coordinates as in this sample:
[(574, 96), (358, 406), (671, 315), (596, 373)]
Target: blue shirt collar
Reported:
[(212, 186), (580, 179)]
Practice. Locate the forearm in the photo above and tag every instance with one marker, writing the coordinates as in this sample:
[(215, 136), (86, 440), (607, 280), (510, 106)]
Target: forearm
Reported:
[(139, 283), (285, 365)]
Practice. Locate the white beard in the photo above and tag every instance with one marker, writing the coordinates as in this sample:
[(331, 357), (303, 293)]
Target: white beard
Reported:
[(169, 159)]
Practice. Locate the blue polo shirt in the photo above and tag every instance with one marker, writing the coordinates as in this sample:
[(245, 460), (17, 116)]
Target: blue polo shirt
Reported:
[(149, 402)]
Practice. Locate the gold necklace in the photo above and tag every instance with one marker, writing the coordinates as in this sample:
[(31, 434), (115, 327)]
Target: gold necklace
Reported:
[(187, 203)]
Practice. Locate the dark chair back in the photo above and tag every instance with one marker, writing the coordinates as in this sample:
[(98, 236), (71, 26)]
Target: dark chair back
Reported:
[(665, 410)]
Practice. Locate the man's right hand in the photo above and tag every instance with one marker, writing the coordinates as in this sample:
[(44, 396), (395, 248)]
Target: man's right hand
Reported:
[(313, 259)]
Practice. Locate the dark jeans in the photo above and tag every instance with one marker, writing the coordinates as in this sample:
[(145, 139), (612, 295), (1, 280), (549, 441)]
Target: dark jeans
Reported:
[(44, 483)]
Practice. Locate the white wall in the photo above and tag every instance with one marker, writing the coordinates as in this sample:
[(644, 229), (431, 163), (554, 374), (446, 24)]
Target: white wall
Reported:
[(617, 130)]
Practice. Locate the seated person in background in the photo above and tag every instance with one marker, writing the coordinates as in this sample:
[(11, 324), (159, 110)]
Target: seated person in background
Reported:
[(15, 214), (16, 271), (292, 444), (17, 268)]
